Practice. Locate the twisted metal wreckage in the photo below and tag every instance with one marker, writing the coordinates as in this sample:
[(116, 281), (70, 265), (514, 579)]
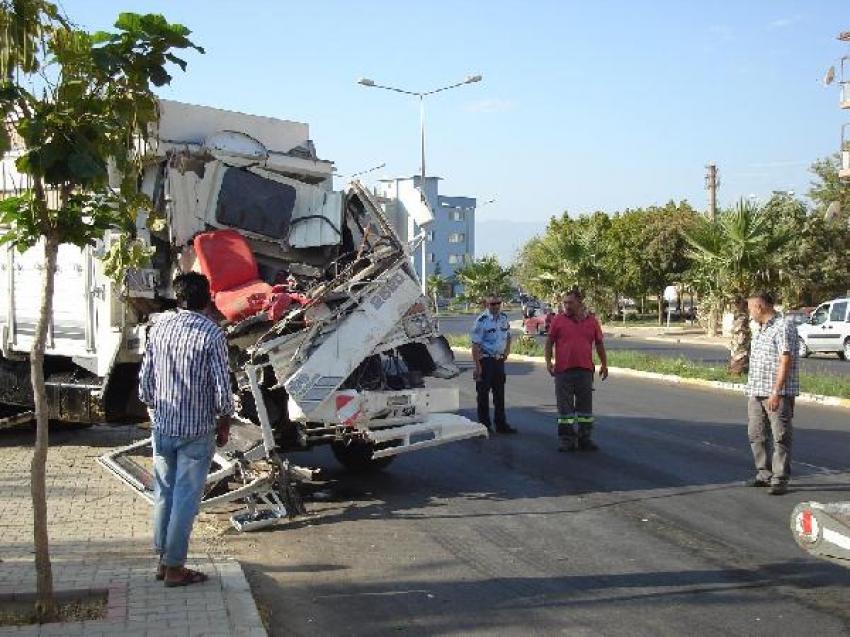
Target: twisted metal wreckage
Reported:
[(330, 338)]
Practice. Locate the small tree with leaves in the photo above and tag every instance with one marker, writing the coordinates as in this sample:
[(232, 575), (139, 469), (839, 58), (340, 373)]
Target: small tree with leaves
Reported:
[(732, 257), (483, 277), (73, 101), (435, 283)]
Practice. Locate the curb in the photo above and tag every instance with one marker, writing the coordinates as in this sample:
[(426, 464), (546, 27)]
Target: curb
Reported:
[(679, 339), (817, 399), (244, 618)]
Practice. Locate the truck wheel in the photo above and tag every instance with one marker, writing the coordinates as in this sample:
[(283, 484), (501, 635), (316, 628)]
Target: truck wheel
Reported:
[(357, 457), (803, 349), (844, 354)]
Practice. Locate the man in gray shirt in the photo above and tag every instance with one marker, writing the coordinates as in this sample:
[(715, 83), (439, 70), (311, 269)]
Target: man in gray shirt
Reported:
[(772, 385)]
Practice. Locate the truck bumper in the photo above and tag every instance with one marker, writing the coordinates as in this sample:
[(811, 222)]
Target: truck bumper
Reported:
[(435, 430)]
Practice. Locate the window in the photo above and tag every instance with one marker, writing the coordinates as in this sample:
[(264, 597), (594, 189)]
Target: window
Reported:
[(432, 257), (454, 259), (820, 315), (456, 215), (457, 237), (467, 258), (249, 202), (839, 311), (430, 235)]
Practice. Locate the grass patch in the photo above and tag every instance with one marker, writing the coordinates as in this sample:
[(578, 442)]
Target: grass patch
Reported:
[(814, 383), (523, 346)]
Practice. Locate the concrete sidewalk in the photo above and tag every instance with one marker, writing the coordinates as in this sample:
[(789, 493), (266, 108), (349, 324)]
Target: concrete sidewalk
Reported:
[(101, 541), (683, 335)]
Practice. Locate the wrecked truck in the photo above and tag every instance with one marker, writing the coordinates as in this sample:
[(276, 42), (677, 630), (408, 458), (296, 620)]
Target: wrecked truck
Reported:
[(331, 341), (823, 530)]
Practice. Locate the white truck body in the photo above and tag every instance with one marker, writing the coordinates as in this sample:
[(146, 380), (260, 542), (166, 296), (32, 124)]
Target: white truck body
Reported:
[(318, 373)]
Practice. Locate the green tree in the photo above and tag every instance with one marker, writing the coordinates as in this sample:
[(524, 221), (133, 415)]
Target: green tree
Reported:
[(483, 277), (827, 188), (732, 257), (648, 249), (76, 101), (435, 284), (818, 260), (571, 253), (664, 250)]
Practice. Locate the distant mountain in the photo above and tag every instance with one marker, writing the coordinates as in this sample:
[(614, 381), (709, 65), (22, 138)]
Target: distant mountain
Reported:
[(503, 238)]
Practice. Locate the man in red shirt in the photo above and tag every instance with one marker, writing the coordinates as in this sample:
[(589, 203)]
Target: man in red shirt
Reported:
[(573, 335)]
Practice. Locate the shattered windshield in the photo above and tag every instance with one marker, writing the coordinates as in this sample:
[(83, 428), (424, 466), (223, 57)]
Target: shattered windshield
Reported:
[(250, 202)]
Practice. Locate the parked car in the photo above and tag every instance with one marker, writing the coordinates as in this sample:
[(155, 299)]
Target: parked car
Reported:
[(799, 315), (827, 330), (529, 306), (627, 307), (539, 321)]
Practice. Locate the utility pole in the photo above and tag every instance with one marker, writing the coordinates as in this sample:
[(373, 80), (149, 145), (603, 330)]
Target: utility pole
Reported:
[(711, 185), (364, 81)]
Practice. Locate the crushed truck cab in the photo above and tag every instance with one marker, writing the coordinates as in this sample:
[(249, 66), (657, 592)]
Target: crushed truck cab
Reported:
[(330, 338)]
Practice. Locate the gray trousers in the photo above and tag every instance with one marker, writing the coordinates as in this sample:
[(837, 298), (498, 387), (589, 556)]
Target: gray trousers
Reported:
[(762, 421), (574, 394)]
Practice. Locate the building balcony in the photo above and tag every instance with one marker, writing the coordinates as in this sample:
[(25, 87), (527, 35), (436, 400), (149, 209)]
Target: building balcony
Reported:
[(845, 95), (844, 171)]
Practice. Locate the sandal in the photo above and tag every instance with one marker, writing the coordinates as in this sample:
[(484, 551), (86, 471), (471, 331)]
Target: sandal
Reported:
[(187, 577)]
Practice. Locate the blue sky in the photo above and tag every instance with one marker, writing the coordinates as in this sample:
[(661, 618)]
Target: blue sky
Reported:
[(584, 105)]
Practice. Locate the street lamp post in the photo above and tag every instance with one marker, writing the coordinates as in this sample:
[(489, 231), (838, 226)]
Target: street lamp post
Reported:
[(364, 81)]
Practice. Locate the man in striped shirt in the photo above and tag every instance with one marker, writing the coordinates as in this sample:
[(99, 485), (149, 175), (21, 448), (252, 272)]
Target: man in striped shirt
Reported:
[(185, 382)]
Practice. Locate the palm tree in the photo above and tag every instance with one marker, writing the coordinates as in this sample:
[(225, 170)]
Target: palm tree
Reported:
[(435, 283), (571, 254), (730, 258), (483, 277)]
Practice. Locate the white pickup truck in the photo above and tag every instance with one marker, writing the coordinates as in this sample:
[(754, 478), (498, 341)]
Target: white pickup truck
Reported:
[(331, 340)]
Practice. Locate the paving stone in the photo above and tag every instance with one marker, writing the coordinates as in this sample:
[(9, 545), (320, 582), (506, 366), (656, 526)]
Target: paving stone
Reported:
[(101, 540)]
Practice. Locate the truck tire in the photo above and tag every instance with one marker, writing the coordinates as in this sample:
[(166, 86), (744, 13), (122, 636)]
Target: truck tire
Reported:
[(804, 351), (844, 354), (357, 457)]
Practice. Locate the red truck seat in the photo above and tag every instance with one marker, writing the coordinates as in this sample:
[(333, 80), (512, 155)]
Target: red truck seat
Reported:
[(227, 261)]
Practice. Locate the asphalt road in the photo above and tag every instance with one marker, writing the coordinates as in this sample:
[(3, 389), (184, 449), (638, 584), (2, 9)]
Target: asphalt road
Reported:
[(710, 354), (652, 535)]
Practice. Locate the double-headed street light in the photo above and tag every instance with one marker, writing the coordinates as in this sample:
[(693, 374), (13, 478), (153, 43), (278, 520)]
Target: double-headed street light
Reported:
[(364, 81)]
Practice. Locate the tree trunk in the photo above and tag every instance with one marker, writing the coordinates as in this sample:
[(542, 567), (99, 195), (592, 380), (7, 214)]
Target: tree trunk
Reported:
[(661, 308), (739, 346), (46, 603)]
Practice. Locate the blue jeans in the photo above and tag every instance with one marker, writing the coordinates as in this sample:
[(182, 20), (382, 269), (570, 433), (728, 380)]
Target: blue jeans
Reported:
[(180, 467)]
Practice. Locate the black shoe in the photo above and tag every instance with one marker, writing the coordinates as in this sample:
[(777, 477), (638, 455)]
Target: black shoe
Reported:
[(505, 429), (586, 444), (756, 482), (567, 445), (780, 488)]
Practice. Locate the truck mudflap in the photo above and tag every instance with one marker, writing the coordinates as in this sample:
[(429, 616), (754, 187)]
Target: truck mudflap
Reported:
[(823, 530), (434, 430)]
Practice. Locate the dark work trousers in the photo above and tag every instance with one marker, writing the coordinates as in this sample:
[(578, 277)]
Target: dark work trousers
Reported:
[(574, 393), (492, 378)]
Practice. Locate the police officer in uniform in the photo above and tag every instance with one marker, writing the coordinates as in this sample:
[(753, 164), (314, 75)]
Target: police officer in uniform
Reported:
[(491, 345)]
